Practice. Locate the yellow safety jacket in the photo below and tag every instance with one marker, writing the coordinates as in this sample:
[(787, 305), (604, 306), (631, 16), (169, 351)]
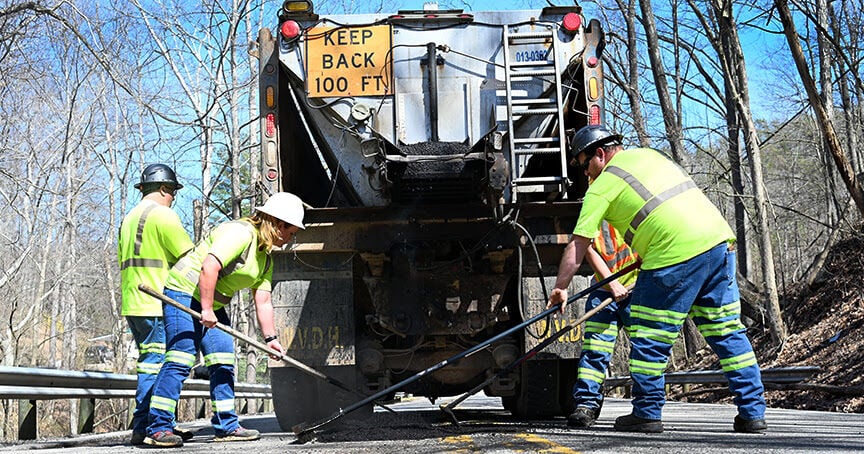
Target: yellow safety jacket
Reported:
[(660, 211), (615, 252), (235, 245), (152, 239)]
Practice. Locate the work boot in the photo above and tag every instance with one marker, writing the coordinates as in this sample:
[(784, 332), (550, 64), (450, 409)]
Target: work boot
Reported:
[(749, 427), (239, 434), (137, 438), (582, 418), (633, 423), (164, 439), (186, 435)]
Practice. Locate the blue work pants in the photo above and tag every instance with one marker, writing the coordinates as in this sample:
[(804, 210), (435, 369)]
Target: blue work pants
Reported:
[(597, 347), (704, 287), (149, 336), (185, 337)]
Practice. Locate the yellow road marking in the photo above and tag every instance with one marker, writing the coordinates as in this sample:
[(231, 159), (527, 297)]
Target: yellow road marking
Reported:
[(541, 445), (547, 445), (461, 440)]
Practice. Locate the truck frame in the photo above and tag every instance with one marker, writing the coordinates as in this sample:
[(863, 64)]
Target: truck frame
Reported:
[(431, 148)]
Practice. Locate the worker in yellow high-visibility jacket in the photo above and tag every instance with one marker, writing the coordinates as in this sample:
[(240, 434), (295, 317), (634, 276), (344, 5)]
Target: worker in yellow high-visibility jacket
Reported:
[(152, 240), (687, 253)]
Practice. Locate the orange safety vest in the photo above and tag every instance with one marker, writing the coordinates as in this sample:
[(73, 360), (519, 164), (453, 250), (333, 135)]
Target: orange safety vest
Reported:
[(615, 252)]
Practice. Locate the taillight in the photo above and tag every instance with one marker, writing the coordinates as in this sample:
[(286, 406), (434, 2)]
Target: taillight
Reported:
[(571, 23), (592, 61), (594, 117), (290, 30), (271, 175), (270, 125)]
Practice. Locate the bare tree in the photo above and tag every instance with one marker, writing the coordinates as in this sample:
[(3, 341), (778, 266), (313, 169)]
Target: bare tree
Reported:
[(853, 184), (670, 117), (735, 70)]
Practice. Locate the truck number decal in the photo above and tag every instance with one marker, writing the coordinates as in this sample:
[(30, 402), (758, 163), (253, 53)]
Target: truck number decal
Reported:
[(531, 55), (348, 61)]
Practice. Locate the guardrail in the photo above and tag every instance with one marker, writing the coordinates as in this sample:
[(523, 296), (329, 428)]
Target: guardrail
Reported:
[(27, 385)]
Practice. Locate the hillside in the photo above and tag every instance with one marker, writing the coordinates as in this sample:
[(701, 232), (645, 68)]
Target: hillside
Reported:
[(825, 330)]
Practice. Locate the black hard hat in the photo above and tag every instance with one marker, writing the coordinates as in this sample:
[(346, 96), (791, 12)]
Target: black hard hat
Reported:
[(590, 137), (158, 174)]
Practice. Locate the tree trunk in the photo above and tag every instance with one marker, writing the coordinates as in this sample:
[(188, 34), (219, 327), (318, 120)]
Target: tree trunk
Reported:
[(853, 185), (634, 96), (736, 73), (733, 132), (673, 131)]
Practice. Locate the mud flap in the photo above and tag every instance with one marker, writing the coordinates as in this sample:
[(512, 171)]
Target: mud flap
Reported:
[(299, 397), (314, 314)]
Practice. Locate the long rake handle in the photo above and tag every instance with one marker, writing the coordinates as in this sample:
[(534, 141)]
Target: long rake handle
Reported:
[(302, 429), (251, 341)]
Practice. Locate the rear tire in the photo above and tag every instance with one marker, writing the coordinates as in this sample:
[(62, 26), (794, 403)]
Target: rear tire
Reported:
[(538, 395)]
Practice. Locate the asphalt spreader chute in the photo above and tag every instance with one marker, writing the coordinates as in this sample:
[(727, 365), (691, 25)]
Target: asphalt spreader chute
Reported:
[(303, 430), (260, 346)]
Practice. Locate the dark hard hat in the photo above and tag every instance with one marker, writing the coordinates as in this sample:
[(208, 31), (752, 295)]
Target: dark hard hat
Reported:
[(590, 137), (158, 174)]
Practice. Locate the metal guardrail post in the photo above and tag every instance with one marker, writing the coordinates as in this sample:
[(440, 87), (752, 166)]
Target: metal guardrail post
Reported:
[(26, 419), (201, 413), (86, 415)]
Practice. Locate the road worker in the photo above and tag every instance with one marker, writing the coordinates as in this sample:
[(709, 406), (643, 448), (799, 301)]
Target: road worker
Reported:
[(152, 239), (607, 255), (688, 267), (235, 256)]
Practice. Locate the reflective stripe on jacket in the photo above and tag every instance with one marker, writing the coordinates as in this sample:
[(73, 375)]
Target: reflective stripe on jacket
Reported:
[(662, 214), (151, 240), (615, 252)]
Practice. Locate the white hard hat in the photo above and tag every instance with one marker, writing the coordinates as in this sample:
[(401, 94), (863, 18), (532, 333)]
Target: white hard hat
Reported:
[(285, 207)]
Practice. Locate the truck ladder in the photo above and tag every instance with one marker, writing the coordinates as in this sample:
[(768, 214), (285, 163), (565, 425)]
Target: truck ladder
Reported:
[(526, 142)]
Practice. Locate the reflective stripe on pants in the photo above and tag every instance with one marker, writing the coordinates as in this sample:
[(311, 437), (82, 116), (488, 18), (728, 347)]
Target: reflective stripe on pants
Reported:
[(183, 334), (597, 347)]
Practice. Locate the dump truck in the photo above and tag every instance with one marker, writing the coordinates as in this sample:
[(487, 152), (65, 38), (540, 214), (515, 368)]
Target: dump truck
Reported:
[(431, 148)]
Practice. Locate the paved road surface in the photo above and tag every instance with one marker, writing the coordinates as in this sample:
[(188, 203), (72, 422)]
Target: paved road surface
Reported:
[(420, 427)]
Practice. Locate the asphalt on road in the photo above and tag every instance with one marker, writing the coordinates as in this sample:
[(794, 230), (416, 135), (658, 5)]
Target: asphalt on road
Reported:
[(419, 427)]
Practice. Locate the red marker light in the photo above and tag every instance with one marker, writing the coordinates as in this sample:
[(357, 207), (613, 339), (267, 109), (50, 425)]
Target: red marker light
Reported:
[(270, 125), (594, 118), (289, 29), (592, 62), (271, 175), (571, 22)]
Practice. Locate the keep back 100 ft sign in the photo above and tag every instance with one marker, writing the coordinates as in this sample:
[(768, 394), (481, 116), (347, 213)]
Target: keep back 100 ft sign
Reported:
[(348, 61)]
